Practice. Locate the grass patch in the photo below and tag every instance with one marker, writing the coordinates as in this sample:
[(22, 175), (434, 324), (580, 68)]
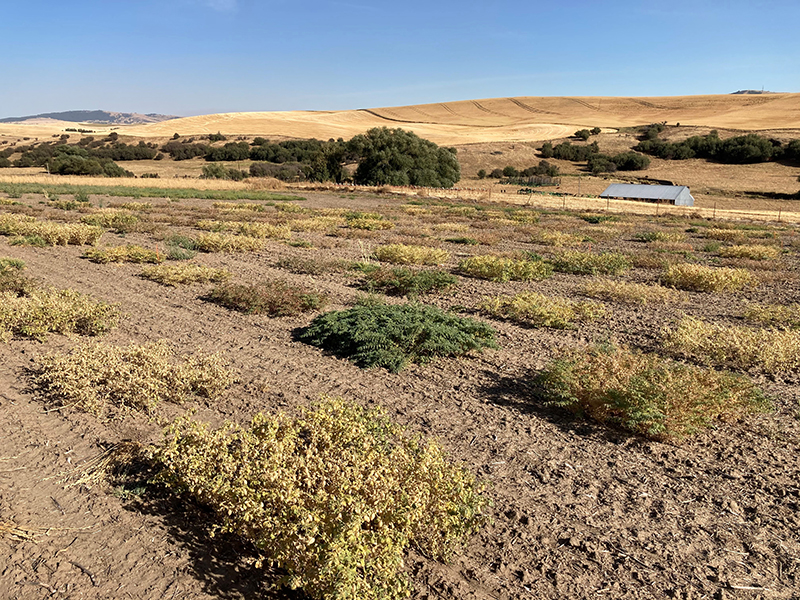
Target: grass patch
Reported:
[(768, 350), (400, 281), (780, 315), (379, 335), (142, 192), (173, 275), (646, 394), (128, 254), (274, 298), (751, 251), (51, 233), (699, 278), (102, 379), (402, 254), (586, 263), (500, 268), (334, 497), (630, 293), (537, 310), (28, 312)]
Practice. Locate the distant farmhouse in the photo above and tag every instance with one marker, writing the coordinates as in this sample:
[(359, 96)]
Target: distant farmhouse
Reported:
[(667, 194)]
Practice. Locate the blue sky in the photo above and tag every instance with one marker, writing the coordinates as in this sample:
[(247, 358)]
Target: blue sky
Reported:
[(189, 57)]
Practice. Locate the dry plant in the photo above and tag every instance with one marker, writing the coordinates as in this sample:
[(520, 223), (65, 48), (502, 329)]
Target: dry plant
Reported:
[(219, 242), (631, 293), (105, 380), (129, 254), (321, 223), (660, 236), (133, 206), (264, 230), (724, 235), (587, 263), (334, 498), (39, 312), (454, 227), (239, 206), (11, 529), (700, 278), (559, 239), (768, 350), (273, 298), (538, 310), (310, 266), (402, 254), (780, 315), (502, 269), (119, 220), (644, 393), (174, 275), (51, 233), (752, 252), (288, 207)]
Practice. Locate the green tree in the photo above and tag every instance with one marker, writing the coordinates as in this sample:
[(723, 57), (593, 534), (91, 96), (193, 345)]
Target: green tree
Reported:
[(398, 157)]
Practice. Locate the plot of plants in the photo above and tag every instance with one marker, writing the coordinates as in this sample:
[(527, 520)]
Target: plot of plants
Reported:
[(377, 396)]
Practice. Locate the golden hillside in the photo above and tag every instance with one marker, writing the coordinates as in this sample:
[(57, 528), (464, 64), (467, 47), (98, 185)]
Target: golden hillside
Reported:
[(472, 121)]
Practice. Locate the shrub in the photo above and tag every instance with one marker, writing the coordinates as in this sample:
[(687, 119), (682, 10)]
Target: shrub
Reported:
[(700, 278), (768, 350), (11, 264), (120, 221), (402, 254), (774, 314), (334, 498), (660, 236), (309, 266), (13, 280), (129, 253), (586, 263), (34, 313), (274, 298), (218, 242), (753, 252), (538, 310), (644, 393), (173, 275), (582, 134), (378, 335), (101, 378), (724, 235), (499, 268), (630, 293), (400, 281)]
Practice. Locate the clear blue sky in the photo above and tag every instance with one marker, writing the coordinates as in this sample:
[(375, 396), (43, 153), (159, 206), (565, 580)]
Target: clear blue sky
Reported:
[(189, 57)]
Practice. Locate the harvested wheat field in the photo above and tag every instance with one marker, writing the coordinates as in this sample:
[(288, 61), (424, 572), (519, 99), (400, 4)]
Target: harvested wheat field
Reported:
[(596, 404)]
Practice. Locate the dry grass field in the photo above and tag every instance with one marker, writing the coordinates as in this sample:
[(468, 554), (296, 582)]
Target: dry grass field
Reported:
[(618, 416)]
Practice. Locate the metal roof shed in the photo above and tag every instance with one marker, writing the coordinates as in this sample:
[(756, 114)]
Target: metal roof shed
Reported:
[(674, 194)]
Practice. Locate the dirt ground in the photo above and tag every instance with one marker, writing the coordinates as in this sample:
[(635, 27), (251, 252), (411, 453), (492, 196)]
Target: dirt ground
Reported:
[(580, 510)]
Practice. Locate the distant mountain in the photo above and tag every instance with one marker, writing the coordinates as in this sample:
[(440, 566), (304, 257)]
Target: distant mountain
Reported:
[(754, 92), (95, 116)]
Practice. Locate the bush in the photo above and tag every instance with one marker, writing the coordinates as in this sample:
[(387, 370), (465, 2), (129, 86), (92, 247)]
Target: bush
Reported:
[(392, 336), (538, 310), (334, 498), (582, 134), (173, 275), (402, 254), (101, 378), (499, 268), (218, 171), (405, 282), (644, 393), (700, 278), (586, 263), (129, 253), (768, 350), (481, 173), (274, 298), (36, 313), (630, 293)]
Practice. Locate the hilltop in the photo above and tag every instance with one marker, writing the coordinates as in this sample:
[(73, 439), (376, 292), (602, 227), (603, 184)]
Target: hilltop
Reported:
[(93, 116)]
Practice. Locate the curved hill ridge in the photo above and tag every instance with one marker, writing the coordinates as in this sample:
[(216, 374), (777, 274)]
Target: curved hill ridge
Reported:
[(498, 119)]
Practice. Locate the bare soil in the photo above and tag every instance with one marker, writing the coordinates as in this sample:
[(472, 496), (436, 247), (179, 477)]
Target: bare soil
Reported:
[(580, 510)]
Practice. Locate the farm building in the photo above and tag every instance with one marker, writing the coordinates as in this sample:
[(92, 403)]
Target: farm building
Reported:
[(672, 194)]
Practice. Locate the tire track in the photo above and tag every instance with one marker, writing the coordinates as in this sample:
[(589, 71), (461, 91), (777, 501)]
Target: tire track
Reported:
[(530, 108)]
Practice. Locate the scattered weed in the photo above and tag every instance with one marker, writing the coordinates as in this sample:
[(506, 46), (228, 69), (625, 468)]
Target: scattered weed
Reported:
[(53, 234), (499, 268), (219, 242), (173, 275), (752, 252), (129, 253), (630, 293), (700, 278), (401, 254), (586, 263), (400, 281), (780, 315), (274, 298)]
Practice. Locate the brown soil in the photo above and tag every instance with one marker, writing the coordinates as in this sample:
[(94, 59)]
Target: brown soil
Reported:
[(580, 510)]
